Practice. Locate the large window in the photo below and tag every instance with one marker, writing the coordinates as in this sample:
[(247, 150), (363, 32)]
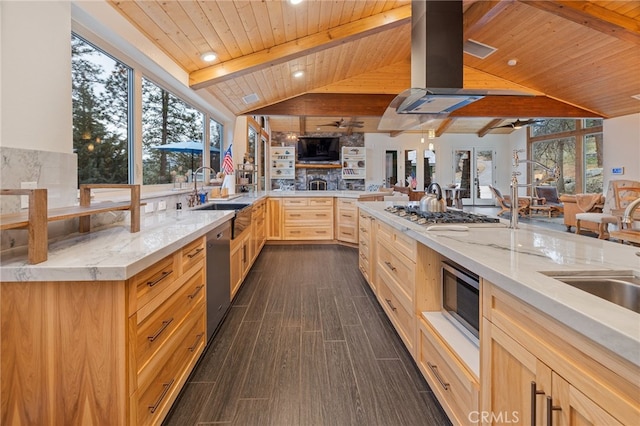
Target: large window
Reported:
[(574, 148), (100, 92), (215, 138), (172, 136)]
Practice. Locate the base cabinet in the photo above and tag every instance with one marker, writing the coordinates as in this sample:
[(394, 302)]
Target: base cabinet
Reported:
[(307, 218), (241, 260), (455, 387), (346, 225), (103, 352), (539, 371), (274, 218), (366, 247)]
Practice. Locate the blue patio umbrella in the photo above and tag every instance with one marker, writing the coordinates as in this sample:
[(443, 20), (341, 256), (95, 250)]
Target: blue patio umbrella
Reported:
[(187, 147)]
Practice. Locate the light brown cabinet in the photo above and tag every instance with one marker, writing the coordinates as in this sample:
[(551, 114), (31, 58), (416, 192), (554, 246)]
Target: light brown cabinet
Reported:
[(241, 256), (103, 352), (307, 218), (346, 226), (366, 247), (258, 221), (274, 218), (396, 280), (531, 360)]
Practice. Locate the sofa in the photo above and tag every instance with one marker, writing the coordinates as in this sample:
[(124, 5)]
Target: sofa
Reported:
[(581, 203)]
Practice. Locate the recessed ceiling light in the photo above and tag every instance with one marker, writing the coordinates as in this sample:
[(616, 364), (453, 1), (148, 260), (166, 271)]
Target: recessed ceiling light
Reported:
[(636, 97), (298, 74), (294, 2), (208, 56), (512, 62)]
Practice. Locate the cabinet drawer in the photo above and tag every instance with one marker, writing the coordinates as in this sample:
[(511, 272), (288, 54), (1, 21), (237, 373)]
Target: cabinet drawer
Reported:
[(295, 202), (347, 217), (152, 281), (193, 253), (309, 233), (347, 233), (320, 202), (456, 389), (156, 394), (401, 271), (400, 242), (403, 320), (154, 330), (317, 217), (348, 203)]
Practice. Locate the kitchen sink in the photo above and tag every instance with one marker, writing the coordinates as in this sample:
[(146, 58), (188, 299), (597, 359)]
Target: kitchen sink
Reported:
[(222, 206), (619, 287)]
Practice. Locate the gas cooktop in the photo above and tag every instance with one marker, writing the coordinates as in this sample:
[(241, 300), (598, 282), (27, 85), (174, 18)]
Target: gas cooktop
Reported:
[(450, 217)]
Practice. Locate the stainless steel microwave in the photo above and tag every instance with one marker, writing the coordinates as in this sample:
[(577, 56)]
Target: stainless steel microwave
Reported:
[(461, 297)]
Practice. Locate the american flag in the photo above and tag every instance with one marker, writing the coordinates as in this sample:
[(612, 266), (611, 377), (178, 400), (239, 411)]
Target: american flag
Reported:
[(227, 162)]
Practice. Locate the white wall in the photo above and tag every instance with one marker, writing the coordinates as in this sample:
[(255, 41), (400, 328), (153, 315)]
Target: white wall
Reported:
[(36, 76), (622, 147)]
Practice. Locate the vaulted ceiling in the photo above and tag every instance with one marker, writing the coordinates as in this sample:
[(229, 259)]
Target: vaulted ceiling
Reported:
[(579, 58)]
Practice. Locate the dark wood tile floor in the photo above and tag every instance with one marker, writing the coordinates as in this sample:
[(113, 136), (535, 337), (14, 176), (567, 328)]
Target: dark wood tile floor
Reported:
[(306, 343)]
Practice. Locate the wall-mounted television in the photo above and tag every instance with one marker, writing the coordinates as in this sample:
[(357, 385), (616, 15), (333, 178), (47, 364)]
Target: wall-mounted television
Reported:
[(316, 149)]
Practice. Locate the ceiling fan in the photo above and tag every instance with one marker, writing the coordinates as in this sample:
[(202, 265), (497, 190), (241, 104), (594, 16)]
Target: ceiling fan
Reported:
[(343, 124), (518, 124)]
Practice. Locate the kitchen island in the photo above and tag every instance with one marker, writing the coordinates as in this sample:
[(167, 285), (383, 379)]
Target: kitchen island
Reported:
[(526, 317)]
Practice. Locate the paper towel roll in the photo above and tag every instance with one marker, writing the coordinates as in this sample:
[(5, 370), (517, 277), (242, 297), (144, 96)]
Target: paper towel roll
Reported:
[(229, 183)]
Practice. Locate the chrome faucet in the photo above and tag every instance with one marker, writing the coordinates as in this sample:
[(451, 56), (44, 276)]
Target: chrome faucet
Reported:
[(627, 217), (555, 174), (195, 181)]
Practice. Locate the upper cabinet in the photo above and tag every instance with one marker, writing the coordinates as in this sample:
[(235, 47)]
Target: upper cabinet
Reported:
[(353, 162)]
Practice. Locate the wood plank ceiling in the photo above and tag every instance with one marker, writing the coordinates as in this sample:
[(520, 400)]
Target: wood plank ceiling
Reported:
[(580, 58)]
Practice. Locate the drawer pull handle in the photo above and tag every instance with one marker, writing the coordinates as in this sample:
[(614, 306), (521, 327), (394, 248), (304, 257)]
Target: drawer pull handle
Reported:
[(164, 325), (294, 215), (434, 368), (166, 386), (195, 253), (195, 344), (295, 232), (534, 393), (321, 214), (550, 409), (164, 275), (347, 233), (192, 295), (393, 308), (393, 268), (363, 230), (363, 244)]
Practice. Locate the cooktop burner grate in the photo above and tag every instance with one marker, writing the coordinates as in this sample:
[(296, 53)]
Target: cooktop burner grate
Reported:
[(414, 214)]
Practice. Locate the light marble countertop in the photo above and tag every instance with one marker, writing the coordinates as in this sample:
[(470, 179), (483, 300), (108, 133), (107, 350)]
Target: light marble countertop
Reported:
[(513, 260), (114, 253)]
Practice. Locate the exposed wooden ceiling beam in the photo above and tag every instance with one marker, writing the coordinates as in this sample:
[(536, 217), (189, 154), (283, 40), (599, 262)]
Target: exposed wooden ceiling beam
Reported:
[(593, 16), (329, 104), (522, 106), (480, 14), (364, 105), (446, 123), (300, 47), (486, 129)]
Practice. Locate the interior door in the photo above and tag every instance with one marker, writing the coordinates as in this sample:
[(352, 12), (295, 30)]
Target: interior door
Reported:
[(474, 170)]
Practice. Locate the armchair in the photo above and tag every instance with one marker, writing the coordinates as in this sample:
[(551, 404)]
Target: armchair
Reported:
[(504, 201), (619, 195), (548, 196)]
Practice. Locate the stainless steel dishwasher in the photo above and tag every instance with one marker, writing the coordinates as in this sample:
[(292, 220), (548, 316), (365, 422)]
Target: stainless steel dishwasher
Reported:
[(218, 276)]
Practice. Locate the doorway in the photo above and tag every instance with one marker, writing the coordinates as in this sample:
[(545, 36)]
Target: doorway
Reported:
[(391, 168), (474, 170)]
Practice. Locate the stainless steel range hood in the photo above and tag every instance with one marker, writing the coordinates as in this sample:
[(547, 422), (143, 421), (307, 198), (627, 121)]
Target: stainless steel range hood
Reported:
[(436, 68)]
